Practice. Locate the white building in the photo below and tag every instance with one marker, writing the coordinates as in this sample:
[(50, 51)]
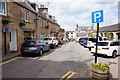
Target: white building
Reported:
[(70, 34)]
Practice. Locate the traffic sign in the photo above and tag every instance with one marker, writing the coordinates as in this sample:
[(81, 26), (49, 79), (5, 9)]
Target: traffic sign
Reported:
[(5, 29), (97, 16)]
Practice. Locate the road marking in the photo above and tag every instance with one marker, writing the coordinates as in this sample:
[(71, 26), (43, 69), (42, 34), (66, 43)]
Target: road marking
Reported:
[(33, 58), (70, 73), (73, 73), (27, 58), (8, 61), (20, 57)]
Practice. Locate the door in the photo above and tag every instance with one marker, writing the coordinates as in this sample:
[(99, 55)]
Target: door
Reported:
[(13, 40)]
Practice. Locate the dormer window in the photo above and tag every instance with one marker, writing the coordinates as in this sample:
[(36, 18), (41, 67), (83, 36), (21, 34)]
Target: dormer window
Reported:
[(3, 10), (26, 16)]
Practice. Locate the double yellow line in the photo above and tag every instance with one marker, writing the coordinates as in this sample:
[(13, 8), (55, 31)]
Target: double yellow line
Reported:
[(68, 75), (8, 61)]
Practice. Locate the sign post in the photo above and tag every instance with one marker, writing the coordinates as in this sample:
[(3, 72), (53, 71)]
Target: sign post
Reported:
[(5, 30), (97, 17)]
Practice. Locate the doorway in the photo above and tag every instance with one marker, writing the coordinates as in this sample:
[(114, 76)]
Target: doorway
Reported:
[(13, 40)]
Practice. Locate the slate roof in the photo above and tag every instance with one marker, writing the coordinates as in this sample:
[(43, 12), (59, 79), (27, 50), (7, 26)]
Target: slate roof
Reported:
[(82, 28), (115, 27), (40, 13), (27, 6)]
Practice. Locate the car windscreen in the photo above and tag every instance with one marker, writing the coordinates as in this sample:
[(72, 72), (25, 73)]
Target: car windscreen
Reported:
[(92, 39), (28, 44), (85, 38), (102, 43), (47, 39)]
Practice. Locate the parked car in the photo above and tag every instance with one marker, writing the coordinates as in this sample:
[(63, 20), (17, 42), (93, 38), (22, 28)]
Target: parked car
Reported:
[(51, 41), (81, 40), (109, 48), (34, 47), (60, 41), (91, 41)]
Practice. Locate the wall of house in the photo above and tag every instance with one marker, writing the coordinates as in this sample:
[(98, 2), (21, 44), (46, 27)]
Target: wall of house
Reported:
[(0, 46), (16, 14)]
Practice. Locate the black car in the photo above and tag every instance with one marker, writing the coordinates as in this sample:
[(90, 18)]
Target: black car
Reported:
[(34, 47)]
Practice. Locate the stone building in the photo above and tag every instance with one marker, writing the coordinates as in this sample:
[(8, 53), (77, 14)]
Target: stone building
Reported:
[(112, 32), (70, 35), (82, 31), (48, 26), (0, 37), (61, 33), (25, 19), (17, 13)]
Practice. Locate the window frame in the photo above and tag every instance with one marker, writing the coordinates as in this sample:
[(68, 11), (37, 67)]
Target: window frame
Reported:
[(41, 23), (27, 16), (5, 14)]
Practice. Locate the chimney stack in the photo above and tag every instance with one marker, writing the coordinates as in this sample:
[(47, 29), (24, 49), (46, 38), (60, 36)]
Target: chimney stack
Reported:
[(43, 8)]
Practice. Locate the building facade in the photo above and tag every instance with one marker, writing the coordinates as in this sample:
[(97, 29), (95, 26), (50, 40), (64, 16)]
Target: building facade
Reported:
[(21, 20), (70, 35), (82, 31), (112, 32)]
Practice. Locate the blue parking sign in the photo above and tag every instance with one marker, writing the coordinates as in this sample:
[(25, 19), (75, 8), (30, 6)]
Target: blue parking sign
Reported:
[(97, 16)]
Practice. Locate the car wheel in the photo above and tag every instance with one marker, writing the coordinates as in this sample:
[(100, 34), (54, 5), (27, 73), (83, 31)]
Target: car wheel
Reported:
[(54, 46), (41, 52), (89, 49), (23, 54), (114, 55)]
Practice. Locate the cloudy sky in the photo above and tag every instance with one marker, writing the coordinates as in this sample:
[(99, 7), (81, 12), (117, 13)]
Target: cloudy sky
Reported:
[(71, 12)]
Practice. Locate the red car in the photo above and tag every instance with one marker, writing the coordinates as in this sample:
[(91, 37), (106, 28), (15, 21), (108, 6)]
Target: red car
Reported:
[(60, 41)]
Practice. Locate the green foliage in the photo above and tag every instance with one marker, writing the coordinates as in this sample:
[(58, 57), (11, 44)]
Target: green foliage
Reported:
[(100, 66), (22, 24), (6, 21)]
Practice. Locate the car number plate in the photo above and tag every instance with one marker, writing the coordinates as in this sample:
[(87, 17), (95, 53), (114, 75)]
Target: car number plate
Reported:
[(97, 49), (47, 41), (27, 50), (88, 43)]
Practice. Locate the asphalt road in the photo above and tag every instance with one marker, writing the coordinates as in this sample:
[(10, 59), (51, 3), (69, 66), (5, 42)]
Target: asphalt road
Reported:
[(67, 61)]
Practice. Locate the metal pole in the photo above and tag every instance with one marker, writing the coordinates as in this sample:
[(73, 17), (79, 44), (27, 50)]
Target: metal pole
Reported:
[(5, 43), (97, 42)]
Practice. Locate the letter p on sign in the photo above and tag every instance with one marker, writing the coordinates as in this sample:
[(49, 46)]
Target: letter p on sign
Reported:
[(97, 16)]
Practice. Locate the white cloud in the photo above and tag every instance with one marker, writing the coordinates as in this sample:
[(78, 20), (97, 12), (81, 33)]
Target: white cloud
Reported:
[(71, 12)]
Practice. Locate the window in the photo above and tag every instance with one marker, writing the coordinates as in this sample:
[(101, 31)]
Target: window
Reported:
[(26, 16), (92, 39), (3, 8), (41, 23), (102, 43), (115, 44)]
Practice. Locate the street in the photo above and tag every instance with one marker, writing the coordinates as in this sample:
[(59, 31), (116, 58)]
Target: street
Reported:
[(70, 60)]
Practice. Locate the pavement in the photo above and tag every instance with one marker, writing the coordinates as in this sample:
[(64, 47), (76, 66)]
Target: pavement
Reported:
[(10, 56), (69, 60)]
